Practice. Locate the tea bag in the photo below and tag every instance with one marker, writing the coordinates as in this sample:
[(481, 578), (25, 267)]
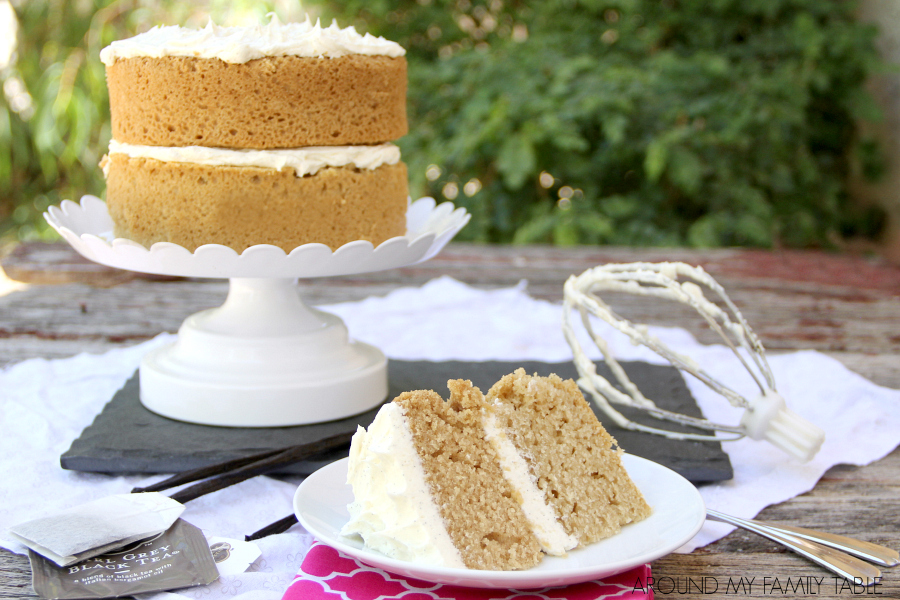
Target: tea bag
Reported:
[(91, 529), (177, 558)]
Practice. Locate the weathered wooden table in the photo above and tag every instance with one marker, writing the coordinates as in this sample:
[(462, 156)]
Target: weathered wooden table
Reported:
[(846, 307)]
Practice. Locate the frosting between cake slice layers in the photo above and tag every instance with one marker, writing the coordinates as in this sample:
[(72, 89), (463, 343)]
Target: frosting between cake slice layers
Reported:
[(541, 516)]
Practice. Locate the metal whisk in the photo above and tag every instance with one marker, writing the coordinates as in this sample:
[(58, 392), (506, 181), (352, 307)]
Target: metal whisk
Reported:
[(765, 418)]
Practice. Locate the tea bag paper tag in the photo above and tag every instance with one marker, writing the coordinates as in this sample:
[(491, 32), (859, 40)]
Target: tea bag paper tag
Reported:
[(91, 529), (232, 557)]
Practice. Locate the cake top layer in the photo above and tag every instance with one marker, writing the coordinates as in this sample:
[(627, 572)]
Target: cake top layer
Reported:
[(243, 44), (392, 506)]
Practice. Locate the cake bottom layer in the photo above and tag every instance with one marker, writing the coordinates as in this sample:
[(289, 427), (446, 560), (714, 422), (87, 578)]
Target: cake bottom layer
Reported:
[(190, 204)]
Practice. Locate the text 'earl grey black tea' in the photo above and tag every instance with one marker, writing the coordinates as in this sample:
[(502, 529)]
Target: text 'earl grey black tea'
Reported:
[(177, 558)]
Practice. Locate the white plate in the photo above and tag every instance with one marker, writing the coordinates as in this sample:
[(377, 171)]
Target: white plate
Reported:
[(678, 513), (87, 226)]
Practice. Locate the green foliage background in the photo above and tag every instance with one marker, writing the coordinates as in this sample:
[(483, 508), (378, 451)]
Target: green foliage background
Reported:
[(688, 122), (640, 122)]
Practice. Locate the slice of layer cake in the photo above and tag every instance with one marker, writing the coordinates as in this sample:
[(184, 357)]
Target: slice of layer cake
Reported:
[(488, 483)]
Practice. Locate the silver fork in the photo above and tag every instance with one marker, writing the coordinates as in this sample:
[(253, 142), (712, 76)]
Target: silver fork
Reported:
[(826, 549)]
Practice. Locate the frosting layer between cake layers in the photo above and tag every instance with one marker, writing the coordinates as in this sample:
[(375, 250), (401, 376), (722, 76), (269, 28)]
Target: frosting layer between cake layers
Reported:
[(303, 161), (543, 520)]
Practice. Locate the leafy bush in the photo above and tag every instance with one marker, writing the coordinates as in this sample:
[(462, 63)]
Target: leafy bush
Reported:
[(641, 122)]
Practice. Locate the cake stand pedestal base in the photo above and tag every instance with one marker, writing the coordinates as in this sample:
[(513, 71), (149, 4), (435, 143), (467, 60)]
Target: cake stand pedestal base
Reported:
[(263, 359)]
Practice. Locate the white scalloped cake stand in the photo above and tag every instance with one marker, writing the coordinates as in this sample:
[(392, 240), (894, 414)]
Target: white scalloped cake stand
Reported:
[(263, 358)]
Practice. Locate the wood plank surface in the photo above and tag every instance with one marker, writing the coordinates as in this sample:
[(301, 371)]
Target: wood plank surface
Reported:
[(845, 306)]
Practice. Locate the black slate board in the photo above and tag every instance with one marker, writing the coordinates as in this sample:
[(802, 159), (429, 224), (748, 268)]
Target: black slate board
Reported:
[(127, 438)]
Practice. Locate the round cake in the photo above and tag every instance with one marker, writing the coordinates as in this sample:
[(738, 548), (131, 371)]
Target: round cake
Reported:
[(277, 134)]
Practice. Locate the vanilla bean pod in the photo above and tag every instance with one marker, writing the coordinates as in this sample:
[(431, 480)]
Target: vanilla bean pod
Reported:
[(279, 526), (207, 471), (283, 458)]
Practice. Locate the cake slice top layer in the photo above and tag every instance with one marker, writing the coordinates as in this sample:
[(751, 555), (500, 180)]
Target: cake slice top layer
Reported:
[(574, 460), (392, 508), (243, 44), (480, 509)]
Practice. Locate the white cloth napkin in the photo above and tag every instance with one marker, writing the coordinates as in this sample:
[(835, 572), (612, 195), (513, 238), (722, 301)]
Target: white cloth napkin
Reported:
[(45, 404)]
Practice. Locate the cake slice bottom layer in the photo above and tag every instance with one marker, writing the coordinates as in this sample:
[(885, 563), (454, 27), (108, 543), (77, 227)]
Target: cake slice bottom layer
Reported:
[(479, 507), (573, 459)]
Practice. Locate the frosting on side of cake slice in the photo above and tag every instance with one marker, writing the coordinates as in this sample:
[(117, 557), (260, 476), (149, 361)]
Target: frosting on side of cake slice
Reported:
[(480, 510), (393, 509), (304, 161)]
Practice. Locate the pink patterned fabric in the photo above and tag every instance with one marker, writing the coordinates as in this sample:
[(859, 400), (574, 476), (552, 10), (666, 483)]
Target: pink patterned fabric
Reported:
[(327, 574)]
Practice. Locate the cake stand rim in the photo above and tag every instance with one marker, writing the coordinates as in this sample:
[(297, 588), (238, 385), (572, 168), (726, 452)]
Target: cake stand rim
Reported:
[(79, 223)]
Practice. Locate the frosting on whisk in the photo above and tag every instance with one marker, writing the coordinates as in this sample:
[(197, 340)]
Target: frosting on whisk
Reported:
[(765, 418)]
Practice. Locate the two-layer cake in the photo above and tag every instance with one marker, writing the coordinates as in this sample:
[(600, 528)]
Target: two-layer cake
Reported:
[(277, 134)]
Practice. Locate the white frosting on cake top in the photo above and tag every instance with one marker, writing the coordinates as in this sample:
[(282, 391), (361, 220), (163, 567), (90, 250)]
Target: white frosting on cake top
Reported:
[(541, 516), (242, 44), (393, 509), (304, 161)]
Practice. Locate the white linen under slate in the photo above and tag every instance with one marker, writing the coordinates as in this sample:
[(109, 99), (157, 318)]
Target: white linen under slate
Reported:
[(45, 404)]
